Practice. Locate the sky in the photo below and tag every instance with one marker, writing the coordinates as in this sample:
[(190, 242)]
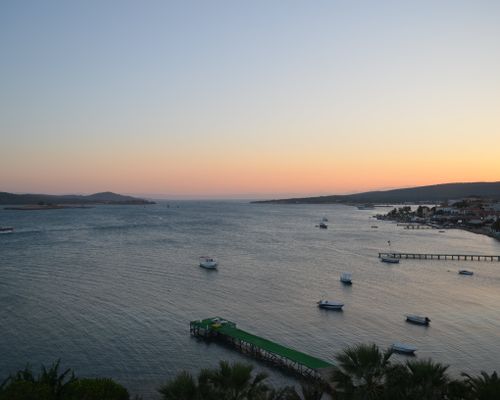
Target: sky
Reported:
[(229, 99)]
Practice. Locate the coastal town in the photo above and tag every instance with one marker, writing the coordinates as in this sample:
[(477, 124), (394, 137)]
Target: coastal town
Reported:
[(474, 214)]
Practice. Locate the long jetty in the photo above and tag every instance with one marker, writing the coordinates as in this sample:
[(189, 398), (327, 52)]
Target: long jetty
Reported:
[(260, 348), (430, 256)]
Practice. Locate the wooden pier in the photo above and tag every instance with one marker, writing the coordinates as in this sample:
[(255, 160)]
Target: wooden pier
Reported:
[(220, 329), (428, 256)]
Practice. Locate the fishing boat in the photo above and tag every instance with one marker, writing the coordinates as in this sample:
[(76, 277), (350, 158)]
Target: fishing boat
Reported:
[(389, 259), (417, 319), (6, 229), (330, 305), (346, 278), (403, 348), (208, 262), (322, 225), (465, 272)]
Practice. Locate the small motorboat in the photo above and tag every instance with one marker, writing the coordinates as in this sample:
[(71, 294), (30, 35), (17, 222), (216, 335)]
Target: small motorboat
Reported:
[(465, 272), (322, 225), (6, 229), (208, 262), (417, 319), (330, 305), (346, 278), (403, 348), (389, 259)]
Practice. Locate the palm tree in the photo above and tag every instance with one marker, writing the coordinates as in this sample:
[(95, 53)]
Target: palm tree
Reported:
[(235, 382), (308, 392), (484, 386), (361, 371), (183, 387), (228, 382)]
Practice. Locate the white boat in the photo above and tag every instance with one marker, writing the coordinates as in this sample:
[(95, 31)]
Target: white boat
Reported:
[(330, 305), (417, 319), (208, 262), (6, 229), (322, 225), (403, 348), (465, 272), (389, 259), (346, 278)]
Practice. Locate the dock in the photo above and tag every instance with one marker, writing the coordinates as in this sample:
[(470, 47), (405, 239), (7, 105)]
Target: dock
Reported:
[(217, 328), (427, 256)]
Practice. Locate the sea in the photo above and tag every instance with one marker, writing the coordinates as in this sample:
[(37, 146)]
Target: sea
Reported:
[(110, 290)]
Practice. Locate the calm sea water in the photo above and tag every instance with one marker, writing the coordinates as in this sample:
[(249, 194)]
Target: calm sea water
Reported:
[(111, 290)]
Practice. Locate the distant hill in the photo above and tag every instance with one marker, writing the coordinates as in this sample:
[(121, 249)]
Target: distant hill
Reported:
[(433, 193), (97, 198)]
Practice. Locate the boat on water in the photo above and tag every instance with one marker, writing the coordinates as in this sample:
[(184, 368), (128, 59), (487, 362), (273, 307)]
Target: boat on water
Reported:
[(366, 207), (417, 319), (374, 226), (465, 272), (6, 229), (324, 219), (346, 278), (442, 231), (322, 225), (403, 348), (330, 305), (389, 259), (208, 262)]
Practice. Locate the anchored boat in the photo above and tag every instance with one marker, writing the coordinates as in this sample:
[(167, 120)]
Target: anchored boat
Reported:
[(417, 319), (208, 262), (403, 348), (346, 278), (330, 305)]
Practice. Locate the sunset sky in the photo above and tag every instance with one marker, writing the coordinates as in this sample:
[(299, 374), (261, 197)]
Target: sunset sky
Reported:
[(247, 99)]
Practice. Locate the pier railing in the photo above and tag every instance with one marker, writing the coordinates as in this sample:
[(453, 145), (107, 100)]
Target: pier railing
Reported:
[(445, 256)]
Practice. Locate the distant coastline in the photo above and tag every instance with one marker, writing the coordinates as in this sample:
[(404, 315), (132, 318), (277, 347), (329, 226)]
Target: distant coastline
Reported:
[(415, 195), (34, 202)]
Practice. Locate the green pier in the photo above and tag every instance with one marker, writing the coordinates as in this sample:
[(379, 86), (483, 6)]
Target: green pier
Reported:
[(222, 329)]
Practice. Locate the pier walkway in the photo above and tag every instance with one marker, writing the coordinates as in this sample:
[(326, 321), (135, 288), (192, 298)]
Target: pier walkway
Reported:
[(427, 256), (219, 328)]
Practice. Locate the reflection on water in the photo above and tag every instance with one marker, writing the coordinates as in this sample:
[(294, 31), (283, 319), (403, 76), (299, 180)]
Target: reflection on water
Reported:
[(111, 290)]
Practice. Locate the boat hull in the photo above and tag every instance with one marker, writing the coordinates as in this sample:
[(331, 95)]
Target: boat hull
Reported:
[(418, 321), (390, 260), (401, 349)]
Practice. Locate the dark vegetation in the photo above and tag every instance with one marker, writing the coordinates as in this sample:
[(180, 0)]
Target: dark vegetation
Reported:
[(421, 194), (364, 372)]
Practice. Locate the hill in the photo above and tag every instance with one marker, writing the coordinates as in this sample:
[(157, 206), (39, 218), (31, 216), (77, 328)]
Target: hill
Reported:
[(96, 198), (420, 194)]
